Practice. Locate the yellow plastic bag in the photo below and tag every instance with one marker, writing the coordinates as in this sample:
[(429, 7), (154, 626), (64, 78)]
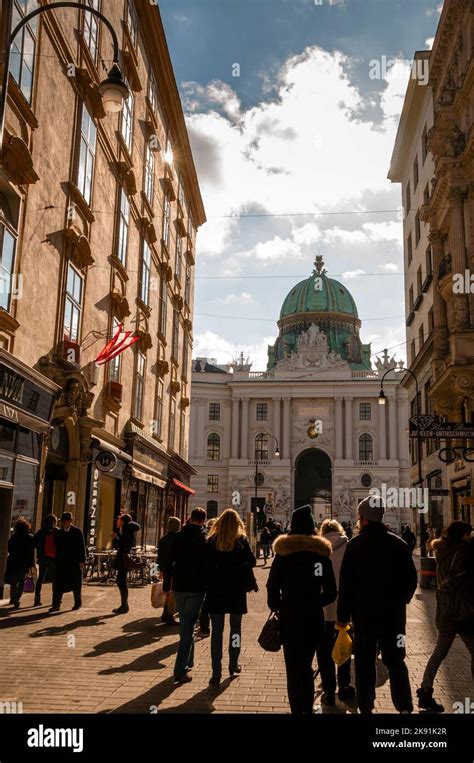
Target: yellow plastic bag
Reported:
[(342, 649)]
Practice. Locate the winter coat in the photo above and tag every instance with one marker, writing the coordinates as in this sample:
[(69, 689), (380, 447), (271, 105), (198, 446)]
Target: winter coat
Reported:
[(339, 544), (228, 578), (164, 558), (39, 541), (124, 544), (70, 553), (409, 537), (188, 558), (445, 551), (265, 537), (21, 556), (301, 580), (377, 580)]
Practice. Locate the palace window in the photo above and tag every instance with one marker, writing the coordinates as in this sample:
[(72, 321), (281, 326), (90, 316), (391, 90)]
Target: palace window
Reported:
[(153, 92), (365, 411), (22, 56), (366, 447), (123, 227), (212, 509), (261, 447), (85, 170), (73, 304), (415, 173), (262, 411), (7, 251), (140, 365), (91, 28), (187, 285), (212, 483), (214, 411), (145, 274), (213, 447)]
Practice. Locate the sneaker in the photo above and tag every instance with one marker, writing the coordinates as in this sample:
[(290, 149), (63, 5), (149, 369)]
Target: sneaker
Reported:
[(235, 670), (328, 699), (182, 679), (346, 692), (427, 702)]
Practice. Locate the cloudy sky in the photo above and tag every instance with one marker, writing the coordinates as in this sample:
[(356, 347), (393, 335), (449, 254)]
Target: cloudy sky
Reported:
[(292, 135)]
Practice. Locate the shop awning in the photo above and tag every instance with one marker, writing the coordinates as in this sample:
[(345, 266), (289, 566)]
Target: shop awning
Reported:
[(183, 486), (145, 477)]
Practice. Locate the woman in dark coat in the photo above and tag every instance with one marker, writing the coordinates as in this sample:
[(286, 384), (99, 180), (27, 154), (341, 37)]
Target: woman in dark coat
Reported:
[(20, 560), (454, 556), (123, 541), (230, 577), (300, 584)]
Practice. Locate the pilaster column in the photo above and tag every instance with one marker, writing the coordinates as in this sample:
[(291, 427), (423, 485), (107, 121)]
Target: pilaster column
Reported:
[(245, 428), (440, 321), (286, 427), (402, 410), (200, 433), (458, 253), (227, 428), (235, 428), (338, 426), (276, 422), (392, 427), (382, 433), (349, 431)]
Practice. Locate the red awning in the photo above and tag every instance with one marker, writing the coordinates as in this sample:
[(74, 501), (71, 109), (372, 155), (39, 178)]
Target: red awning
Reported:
[(183, 486)]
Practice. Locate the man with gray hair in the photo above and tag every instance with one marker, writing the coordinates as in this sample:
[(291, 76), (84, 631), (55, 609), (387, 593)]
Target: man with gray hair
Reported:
[(377, 581)]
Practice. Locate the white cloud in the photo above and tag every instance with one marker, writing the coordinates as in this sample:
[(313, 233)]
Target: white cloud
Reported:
[(391, 267), (429, 42), (244, 298), (215, 345), (353, 273)]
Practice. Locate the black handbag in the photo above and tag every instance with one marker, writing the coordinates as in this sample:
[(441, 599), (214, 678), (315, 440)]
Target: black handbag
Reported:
[(270, 637)]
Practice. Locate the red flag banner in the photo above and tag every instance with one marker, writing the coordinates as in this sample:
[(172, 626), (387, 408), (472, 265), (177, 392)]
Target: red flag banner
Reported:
[(119, 342)]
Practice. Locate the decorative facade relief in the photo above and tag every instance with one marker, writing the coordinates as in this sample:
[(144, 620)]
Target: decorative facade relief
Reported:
[(312, 351)]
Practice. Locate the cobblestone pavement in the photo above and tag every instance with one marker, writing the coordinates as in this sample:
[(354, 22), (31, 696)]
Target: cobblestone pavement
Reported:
[(92, 661)]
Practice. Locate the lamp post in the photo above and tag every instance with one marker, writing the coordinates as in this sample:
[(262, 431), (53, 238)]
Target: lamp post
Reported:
[(112, 89), (382, 401), (257, 462)]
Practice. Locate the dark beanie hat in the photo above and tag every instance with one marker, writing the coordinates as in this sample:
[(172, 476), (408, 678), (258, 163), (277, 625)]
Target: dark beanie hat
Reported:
[(302, 521)]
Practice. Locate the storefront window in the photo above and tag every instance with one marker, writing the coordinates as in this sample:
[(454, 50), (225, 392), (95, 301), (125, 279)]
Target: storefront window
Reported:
[(24, 492), (7, 436), (28, 443), (6, 469)]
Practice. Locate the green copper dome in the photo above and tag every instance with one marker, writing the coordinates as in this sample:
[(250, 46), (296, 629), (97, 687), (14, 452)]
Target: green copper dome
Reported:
[(327, 304), (319, 294)]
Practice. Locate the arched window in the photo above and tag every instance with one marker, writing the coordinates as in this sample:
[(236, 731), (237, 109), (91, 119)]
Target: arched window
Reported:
[(366, 447), (261, 447), (212, 508), (213, 447)]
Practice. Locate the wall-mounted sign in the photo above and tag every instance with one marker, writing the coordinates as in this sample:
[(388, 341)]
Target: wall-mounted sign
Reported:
[(429, 426), (93, 506), (105, 461)]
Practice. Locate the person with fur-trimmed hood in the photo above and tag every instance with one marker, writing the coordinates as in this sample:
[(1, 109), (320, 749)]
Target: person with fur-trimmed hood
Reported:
[(301, 582)]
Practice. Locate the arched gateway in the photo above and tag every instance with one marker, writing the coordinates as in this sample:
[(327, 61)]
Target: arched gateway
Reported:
[(313, 482)]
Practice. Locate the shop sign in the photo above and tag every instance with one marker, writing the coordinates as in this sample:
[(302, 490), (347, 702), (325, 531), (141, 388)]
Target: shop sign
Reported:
[(21, 392), (105, 461), (429, 426), (94, 502)]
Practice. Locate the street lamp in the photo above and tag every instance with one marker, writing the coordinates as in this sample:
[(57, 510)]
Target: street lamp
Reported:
[(113, 89), (257, 462), (382, 401)]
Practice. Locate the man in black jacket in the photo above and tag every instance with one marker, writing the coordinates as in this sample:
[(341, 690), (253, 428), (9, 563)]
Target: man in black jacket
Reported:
[(377, 581), (70, 562), (165, 545), (188, 568)]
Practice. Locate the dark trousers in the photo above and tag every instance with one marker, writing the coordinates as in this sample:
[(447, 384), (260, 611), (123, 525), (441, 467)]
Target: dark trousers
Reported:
[(16, 586), (366, 642), (75, 582), (444, 643), (300, 641), (122, 586), (326, 664), (46, 570), (217, 621)]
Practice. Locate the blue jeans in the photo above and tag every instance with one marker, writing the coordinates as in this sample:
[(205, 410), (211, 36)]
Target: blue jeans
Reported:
[(217, 621), (188, 606)]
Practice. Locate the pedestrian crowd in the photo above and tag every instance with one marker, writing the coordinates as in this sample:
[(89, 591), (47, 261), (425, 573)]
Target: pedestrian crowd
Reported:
[(324, 580)]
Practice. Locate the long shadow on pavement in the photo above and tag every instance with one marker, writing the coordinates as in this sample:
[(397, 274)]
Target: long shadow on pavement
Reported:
[(57, 630), (149, 661), (135, 635), (202, 702)]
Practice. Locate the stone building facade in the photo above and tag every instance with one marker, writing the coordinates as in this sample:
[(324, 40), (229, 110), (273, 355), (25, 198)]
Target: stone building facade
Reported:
[(435, 139), (99, 215), (307, 430)]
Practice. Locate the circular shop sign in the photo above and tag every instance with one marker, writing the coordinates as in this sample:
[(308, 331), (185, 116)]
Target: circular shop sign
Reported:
[(105, 461)]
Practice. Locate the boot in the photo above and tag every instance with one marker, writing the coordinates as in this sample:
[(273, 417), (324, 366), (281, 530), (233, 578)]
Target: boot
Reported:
[(427, 702), (123, 609)]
